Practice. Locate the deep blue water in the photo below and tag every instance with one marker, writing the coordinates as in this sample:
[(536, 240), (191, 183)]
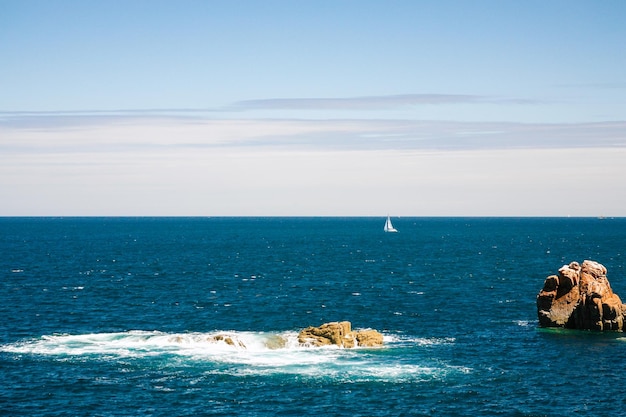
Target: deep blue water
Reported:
[(115, 316)]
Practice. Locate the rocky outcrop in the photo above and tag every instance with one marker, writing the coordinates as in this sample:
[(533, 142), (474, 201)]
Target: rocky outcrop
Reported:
[(580, 297), (339, 334)]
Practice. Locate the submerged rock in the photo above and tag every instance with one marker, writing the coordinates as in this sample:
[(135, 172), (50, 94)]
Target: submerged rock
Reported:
[(580, 297), (227, 339), (275, 342), (339, 334)]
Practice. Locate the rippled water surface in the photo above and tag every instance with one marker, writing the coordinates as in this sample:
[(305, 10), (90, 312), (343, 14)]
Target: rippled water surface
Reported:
[(128, 316)]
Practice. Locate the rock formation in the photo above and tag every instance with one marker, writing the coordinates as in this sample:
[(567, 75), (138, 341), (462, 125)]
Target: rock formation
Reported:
[(340, 334), (580, 297)]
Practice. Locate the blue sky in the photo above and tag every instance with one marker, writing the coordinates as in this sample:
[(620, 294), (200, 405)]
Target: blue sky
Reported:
[(313, 108)]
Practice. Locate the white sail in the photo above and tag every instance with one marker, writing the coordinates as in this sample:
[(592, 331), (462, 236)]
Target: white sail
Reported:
[(388, 226)]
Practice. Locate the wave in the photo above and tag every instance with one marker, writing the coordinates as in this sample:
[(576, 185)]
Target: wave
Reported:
[(140, 343), (245, 353)]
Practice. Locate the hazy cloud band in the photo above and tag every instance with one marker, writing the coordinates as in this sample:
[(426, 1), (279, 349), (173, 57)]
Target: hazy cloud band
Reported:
[(50, 133)]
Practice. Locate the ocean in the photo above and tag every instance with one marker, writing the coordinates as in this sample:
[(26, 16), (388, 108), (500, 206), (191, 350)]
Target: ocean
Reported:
[(118, 317)]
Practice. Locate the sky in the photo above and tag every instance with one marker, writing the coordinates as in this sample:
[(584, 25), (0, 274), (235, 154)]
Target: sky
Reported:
[(312, 108)]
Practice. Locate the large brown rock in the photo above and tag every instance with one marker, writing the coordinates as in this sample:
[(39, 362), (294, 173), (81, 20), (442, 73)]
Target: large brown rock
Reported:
[(580, 297), (369, 338), (339, 334)]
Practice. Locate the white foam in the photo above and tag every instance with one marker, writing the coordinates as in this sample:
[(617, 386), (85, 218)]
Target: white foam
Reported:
[(419, 341), (242, 353), (138, 342)]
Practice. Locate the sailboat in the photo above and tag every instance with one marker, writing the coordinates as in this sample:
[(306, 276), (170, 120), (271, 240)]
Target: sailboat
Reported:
[(389, 227)]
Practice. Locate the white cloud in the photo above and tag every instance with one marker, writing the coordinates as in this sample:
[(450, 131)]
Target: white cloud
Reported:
[(122, 134), (191, 166)]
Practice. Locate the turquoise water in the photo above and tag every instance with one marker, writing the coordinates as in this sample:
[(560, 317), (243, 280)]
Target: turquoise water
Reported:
[(117, 316)]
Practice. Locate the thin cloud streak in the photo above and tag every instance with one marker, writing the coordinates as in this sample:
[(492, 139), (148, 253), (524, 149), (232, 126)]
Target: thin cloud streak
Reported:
[(370, 102)]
